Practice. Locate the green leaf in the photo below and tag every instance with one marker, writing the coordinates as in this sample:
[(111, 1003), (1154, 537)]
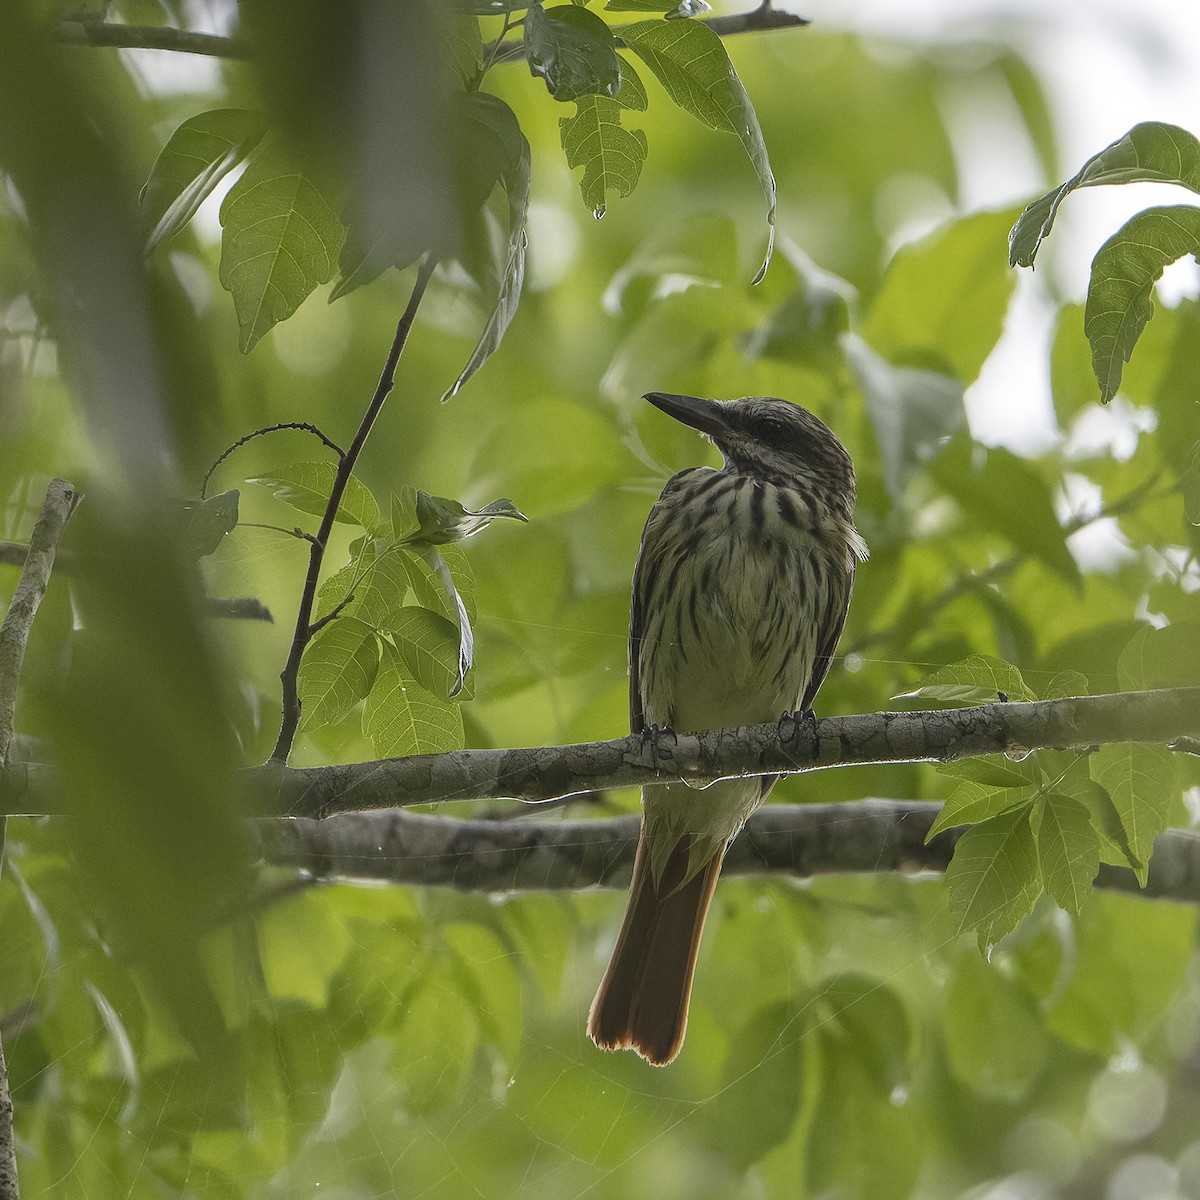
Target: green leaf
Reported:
[(573, 50), (1151, 152), (197, 156), (209, 520), (429, 646), (280, 241), (695, 7), (440, 520), (973, 803), (993, 878), (594, 138), (401, 717), (378, 577), (337, 670), (463, 48), (1068, 850), (1189, 484), (978, 679), (1065, 684), (994, 770), (1161, 658), (1005, 494), (912, 411), (1130, 961), (995, 1039), (516, 178), (942, 300), (489, 969), (690, 62), (762, 1085), (876, 1025), (308, 485), (436, 589), (1103, 814), (1123, 275), (1141, 781), (808, 326)]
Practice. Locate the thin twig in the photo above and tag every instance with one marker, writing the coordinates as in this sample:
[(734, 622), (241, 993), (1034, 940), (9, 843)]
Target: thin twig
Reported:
[(61, 501), (757, 20), (290, 720), (303, 426)]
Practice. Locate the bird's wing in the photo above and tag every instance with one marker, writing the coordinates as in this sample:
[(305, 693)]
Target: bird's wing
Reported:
[(643, 573), (839, 607)]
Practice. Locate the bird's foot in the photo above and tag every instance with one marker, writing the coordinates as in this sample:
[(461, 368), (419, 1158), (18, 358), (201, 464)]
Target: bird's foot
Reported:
[(654, 739), (794, 726)]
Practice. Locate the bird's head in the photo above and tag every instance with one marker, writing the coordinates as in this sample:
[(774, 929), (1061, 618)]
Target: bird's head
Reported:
[(769, 439)]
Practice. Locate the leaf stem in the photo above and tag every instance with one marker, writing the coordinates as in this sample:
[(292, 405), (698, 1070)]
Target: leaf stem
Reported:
[(290, 718)]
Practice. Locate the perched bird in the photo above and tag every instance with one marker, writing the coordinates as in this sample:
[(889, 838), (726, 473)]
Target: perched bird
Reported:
[(739, 596)]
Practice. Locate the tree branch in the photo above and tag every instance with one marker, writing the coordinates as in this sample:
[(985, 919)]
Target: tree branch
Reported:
[(543, 773), (290, 718), (151, 37), (757, 20), (793, 840), (79, 32), (61, 501)]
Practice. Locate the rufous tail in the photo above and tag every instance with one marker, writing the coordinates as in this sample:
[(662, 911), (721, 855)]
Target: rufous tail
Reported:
[(642, 1002)]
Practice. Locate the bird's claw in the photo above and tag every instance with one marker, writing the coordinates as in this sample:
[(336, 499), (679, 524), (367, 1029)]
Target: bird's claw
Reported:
[(794, 725), (652, 738)]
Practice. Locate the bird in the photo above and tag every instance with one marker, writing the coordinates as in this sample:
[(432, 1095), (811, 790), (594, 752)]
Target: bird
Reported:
[(740, 592)]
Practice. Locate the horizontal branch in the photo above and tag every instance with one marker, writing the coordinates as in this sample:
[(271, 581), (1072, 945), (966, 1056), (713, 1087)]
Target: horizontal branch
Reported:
[(783, 748), (791, 840), (83, 32), (777, 748), (151, 37)]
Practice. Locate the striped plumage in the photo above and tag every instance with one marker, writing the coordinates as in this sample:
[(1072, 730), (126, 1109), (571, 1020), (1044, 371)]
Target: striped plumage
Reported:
[(739, 596)]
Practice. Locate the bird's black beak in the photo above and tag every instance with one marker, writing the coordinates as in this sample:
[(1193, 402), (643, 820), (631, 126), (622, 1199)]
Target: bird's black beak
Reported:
[(708, 416)]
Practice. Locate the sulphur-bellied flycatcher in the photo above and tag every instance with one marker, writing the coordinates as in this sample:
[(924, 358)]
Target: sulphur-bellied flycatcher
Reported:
[(739, 596)]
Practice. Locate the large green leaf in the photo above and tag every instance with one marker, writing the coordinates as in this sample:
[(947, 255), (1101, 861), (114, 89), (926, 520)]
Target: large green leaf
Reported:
[(978, 679), (995, 1041), (1123, 275), (280, 241), (337, 670), (973, 803), (942, 300), (594, 138), (1141, 781), (691, 63), (1005, 494), (197, 156), (763, 1081), (993, 877), (1068, 849), (308, 486), (1161, 658), (912, 410), (429, 645), (516, 177), (573, 50), (1151, 152), (401, 717)]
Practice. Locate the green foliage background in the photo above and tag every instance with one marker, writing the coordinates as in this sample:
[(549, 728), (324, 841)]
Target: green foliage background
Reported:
[(201, 1029)]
